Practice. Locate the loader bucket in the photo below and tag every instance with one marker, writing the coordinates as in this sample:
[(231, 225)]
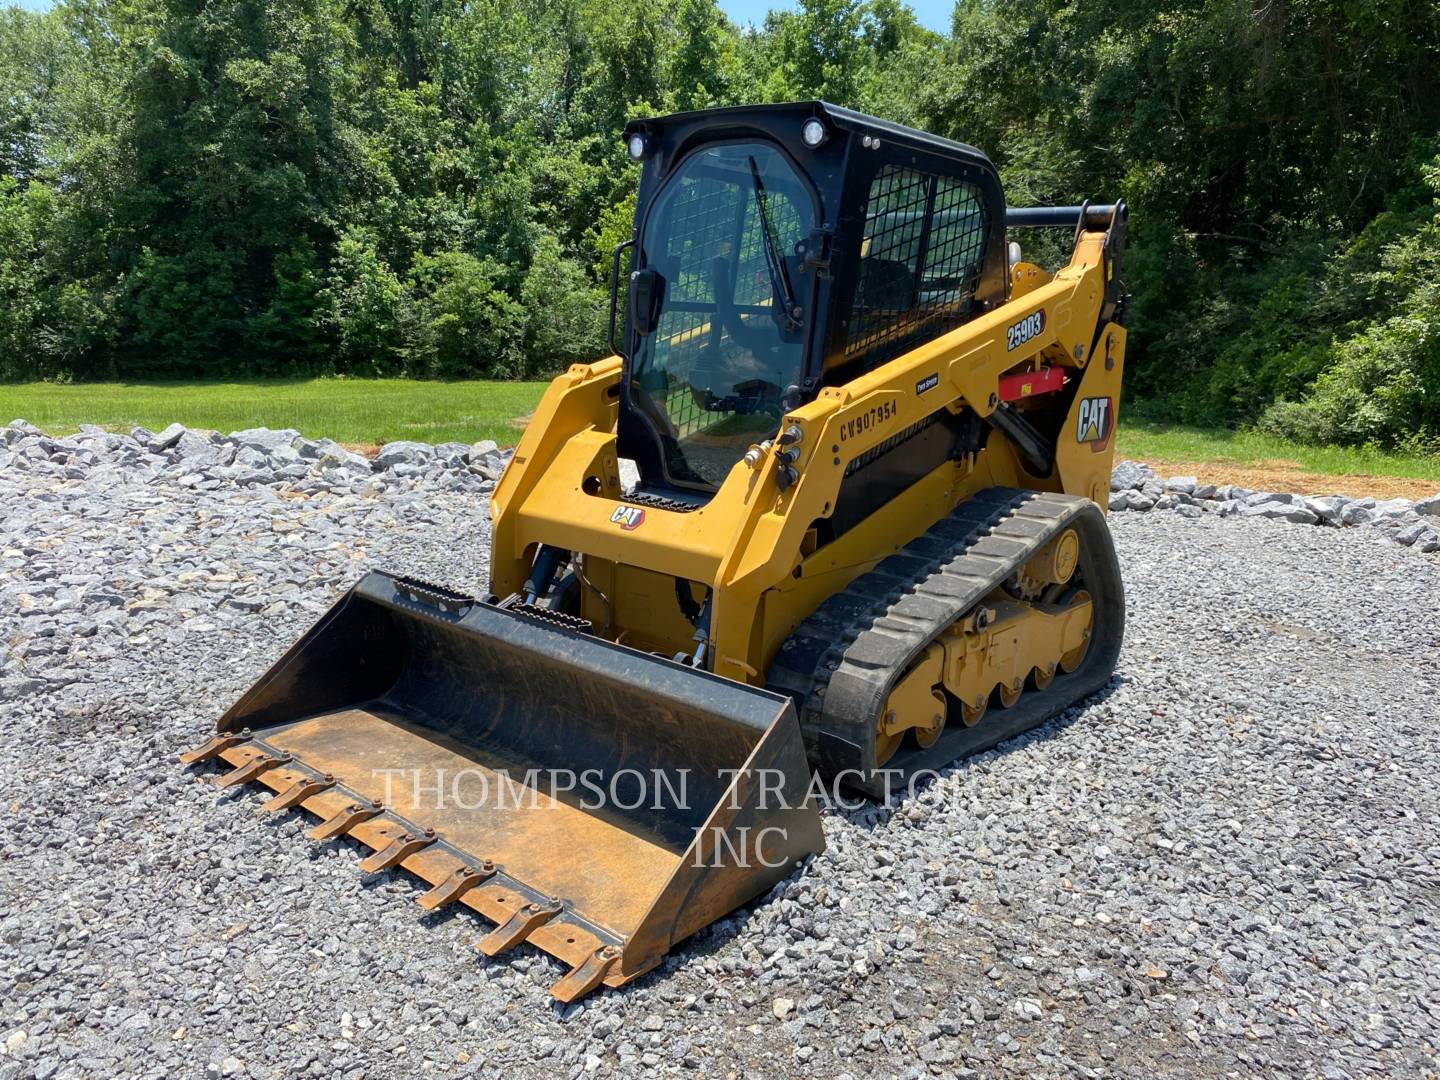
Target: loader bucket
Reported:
[(598, 802)]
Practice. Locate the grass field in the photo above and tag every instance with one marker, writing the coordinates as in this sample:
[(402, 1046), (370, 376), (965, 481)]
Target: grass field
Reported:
[(1265, 463), (355, 411), (367, 412), (1142, 440)]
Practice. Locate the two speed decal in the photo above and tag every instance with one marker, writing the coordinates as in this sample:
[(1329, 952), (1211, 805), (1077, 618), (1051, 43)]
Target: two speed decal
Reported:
[(1027, 329)]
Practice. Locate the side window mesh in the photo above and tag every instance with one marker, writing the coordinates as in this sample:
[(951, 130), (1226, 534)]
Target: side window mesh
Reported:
[(703, 228), (752, 279), (920, 263), (712, 218)]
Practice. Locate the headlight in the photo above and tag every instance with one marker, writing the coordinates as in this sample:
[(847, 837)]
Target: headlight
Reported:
[(813, 133), (637, 147)]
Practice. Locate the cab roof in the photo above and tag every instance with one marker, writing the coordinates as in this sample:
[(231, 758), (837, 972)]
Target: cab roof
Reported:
[(839, 119)]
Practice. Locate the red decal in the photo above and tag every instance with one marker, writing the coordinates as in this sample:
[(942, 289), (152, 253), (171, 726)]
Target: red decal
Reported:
[(1029, 383)]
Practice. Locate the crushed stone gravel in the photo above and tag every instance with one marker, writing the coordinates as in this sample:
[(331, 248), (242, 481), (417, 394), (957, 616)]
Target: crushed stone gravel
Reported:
[(1226, 863)]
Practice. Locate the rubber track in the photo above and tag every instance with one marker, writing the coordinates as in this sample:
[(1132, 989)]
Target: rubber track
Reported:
[(841, 663)]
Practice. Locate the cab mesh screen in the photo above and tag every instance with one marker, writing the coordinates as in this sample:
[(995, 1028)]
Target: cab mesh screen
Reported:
[(920, 263), (714, 217), (707, 214)]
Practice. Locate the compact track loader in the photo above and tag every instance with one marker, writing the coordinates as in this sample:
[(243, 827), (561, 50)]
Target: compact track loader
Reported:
[(866, 539)]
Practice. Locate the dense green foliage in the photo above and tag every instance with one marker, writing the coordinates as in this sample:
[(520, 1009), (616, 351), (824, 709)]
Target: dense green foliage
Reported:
[(431, 188)]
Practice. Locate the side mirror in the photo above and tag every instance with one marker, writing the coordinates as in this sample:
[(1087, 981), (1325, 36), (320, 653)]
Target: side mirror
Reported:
[(647, 294), (815, 250)]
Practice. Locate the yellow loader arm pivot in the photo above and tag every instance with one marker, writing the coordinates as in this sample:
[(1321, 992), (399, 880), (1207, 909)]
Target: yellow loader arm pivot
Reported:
[(834, 507)]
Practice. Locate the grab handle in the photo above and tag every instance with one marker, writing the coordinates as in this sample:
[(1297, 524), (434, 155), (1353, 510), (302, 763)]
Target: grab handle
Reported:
[(615, 293)]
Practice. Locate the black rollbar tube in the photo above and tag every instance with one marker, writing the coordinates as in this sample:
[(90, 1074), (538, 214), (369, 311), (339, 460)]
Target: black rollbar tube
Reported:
[(1096, 216)]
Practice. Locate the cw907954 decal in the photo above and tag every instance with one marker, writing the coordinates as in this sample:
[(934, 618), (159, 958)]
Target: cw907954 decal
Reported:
[(867, 420)]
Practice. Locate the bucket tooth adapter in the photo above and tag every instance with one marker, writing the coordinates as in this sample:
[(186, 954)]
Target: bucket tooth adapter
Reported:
[(867, 538)]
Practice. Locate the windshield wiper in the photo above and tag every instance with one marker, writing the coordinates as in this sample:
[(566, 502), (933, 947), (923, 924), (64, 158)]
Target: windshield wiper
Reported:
[(779, 276)]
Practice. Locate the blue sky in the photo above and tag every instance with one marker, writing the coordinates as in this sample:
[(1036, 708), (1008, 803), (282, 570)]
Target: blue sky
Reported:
[(934, 14)]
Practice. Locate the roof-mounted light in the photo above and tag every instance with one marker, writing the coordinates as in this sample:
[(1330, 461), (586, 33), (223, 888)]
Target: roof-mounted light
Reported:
[(637, 146), (813, 132)]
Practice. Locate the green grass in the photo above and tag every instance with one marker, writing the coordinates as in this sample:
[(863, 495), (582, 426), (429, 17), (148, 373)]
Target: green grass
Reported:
[(1141, 440), (370, 411), (356, 411)]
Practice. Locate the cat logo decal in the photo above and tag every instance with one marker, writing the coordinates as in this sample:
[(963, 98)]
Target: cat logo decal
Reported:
[(1095, 419), (628, 517)]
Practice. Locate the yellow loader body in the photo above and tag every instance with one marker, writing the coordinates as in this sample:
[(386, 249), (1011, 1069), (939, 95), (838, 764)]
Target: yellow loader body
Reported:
[(864, 536)]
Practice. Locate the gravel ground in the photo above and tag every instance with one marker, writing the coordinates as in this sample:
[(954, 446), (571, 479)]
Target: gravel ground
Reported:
[(1226, 865)]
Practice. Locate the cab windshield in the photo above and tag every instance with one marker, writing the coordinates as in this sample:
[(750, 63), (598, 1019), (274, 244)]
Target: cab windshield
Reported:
[(726, 236)]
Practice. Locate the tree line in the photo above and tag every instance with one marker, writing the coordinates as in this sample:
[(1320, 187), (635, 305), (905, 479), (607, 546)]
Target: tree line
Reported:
[(431, 188)]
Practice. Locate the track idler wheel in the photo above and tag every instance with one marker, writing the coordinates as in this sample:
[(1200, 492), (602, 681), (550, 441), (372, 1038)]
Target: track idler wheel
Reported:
[(971, 715), (1017, 582), (1027, 623), (926, 737), (1075, 657), (916, 703)]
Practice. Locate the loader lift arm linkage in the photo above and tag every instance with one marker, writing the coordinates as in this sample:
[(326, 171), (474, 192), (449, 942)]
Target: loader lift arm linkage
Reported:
[(867, 539)]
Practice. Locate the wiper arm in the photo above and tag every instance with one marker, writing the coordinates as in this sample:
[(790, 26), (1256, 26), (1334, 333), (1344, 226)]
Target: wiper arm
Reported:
[(779, 276)]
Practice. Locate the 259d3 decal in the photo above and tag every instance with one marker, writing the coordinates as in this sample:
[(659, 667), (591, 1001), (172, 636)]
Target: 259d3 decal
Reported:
[(1027, 329)]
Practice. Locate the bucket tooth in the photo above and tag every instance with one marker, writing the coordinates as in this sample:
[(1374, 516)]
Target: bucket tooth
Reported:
[(299, 791), (345, 820), (457, 885), (518, 927), (397, 851), (243, 774), (214, 747), (587, 975)]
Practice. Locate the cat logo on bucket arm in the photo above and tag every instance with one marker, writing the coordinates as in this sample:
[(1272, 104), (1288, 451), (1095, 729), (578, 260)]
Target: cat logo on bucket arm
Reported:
[(1096, 418)]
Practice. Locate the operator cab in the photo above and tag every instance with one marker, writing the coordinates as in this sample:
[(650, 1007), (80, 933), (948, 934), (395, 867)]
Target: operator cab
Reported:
[(778, 249)]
